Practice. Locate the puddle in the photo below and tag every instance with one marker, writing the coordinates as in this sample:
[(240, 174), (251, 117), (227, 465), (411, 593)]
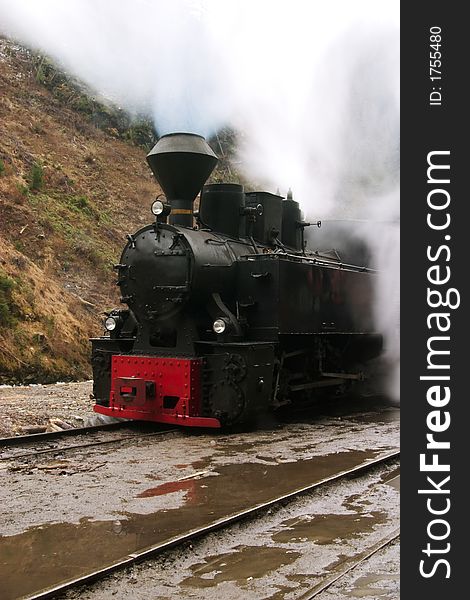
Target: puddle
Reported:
[(47, 555), (281, 593), (303, 582), (227, 447), (323, 529), (365, 587), (355, 502), (241, 566), (201, 464)]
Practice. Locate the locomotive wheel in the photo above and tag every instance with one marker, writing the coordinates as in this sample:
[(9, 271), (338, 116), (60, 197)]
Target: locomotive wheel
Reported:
[(227, 402)]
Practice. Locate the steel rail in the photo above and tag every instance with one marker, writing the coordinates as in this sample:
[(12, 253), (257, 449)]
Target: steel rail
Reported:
[(52, 435), (200, 532), (87, 445), (362, 557)]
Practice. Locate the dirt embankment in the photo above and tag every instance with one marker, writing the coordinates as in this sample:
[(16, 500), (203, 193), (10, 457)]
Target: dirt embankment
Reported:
[(69, 192)]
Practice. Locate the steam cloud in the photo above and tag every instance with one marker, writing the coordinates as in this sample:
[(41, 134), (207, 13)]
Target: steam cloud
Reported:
[(312, 87)]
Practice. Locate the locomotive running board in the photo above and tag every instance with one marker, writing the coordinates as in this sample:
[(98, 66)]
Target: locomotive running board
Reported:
[(354, 376)]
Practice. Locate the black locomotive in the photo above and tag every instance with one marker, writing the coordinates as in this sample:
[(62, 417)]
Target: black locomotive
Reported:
[(228, 315)]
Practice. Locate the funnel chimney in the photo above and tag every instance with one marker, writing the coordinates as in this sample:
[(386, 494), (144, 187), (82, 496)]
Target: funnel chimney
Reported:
[(181, 163)]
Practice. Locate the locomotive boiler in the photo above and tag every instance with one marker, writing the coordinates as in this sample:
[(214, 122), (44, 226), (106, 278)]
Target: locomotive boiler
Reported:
[(227, 314)]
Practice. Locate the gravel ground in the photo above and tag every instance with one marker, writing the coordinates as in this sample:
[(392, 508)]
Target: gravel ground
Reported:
[(25, 406), (95, 503)]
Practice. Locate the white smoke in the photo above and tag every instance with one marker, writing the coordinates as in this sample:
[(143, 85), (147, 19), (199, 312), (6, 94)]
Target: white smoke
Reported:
[(312, 86)]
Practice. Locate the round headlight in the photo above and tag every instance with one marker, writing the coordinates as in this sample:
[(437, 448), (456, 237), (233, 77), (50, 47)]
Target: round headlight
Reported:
[(157, 207), (110, 324), (219, 326)]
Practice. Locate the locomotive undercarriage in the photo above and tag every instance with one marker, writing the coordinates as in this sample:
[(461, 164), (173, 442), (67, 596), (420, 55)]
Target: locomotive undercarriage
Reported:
[(229, 382), (331, 364)]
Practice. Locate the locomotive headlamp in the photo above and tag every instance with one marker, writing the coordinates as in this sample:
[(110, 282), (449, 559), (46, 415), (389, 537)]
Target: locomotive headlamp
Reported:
[(219, 326), (160, 208), (110, 324), (157, 207)]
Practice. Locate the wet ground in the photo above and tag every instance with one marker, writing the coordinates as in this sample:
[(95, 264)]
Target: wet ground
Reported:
[(68, 514), (378, 578), (285, 554)]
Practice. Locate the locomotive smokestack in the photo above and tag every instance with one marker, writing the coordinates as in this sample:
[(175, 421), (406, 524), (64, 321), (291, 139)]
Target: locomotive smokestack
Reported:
[(181, 163)]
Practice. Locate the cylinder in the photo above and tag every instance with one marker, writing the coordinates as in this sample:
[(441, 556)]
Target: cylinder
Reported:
[(220, 208), (268, 225)]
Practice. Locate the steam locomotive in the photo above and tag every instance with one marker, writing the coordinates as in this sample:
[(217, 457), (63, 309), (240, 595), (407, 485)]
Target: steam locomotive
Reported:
[(228, 315)]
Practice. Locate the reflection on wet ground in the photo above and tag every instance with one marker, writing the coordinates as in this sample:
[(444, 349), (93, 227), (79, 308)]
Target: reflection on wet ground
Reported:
[(184, 484), (46, 555)]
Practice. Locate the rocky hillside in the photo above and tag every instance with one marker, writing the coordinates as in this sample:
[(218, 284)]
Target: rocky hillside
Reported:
[(69, 192)]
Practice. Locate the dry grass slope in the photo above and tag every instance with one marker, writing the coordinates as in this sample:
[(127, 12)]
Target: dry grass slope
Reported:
[(69, 193)]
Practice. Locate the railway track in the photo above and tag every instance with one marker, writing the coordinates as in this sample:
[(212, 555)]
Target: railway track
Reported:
[(32, 438), (18, 440), (222, 523), (85, 432), (349, 565)]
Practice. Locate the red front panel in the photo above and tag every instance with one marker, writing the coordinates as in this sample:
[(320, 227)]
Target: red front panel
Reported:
[(163, 389)]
